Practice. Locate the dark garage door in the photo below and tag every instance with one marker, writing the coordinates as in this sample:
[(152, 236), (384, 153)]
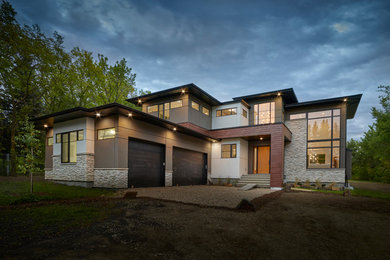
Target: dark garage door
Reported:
[(146, 164), (189, 167)]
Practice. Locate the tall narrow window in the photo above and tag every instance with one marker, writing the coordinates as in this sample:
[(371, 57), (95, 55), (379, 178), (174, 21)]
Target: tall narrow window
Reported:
[(166, 111), (161, 111), (244, 113), (49, 141), (264, 113), (323, 139), (69, 147)]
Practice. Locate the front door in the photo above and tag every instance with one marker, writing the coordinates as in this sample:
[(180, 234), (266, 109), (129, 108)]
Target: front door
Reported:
[(261, 159)]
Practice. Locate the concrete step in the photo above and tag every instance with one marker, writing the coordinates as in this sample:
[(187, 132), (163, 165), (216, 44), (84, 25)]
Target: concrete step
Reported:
[(248, 177), (257, 185)]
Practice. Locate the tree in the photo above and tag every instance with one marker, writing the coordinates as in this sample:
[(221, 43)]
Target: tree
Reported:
[(371, 154), (30, 146)]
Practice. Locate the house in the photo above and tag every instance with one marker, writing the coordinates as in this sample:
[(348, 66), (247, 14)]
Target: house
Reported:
[(184, 136)]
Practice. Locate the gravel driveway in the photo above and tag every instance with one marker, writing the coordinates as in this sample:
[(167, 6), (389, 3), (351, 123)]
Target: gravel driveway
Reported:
[(219, 196)]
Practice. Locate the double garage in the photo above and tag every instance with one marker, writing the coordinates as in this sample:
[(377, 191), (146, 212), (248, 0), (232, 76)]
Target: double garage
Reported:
[(146, 163)]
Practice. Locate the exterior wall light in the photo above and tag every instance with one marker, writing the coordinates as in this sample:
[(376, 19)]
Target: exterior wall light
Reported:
[(345, 100), (139, 101), (98, 114), (174, 129), (130, 114), (279, 94), (183, 91), (261, 138), (45, 126)]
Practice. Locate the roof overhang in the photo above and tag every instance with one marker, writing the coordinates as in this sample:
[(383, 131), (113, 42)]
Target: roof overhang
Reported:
[(287, 94), (112, 109), (189, 88), (351, 101)]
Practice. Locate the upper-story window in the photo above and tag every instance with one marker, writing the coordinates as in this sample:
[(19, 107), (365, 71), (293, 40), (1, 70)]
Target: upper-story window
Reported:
[(264, 113), (107, 133), (195, 105), (164, 109), (205, 111), (244, 113), (323, 139), (227, 112)]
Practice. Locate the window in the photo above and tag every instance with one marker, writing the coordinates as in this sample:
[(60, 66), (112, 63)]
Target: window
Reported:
[(80, 135), (69, 147), (323, 139), (227, 112), (228, 150), (166, 111), (106, 133), (161, 111), (264, 113), (205, 111), (244, 113), (50, 141), (152, 109), (298, 116), (195, 105), (176, 104), (58, 138)]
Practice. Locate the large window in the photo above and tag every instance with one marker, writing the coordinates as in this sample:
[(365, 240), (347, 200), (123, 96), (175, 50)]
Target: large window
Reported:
[(205, 111), (323, 139), (69, 147), (264, 113), (227, 112), (195, 105), (229, 151)]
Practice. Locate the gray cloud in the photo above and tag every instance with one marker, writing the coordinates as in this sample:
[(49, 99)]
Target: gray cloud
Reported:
[(230, 48)]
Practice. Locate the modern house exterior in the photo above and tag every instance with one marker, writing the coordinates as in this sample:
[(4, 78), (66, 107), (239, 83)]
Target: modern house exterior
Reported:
[(184, 136)]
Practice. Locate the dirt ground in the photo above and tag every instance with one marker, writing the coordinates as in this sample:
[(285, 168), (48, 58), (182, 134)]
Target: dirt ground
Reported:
[(365, 185), (295, 225)]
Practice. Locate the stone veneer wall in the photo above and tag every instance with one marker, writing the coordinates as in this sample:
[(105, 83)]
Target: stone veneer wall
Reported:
[(168, 178), (295, 158), (81, 171), (111, 177)]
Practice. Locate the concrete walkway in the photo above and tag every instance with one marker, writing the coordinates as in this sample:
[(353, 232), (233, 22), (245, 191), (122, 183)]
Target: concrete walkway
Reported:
[(219, 196)]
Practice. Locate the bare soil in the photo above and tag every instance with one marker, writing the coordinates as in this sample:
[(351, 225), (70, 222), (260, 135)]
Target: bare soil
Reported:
[(297, 225), (365, 185)]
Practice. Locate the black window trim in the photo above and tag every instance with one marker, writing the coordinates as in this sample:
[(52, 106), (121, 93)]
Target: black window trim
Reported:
[(331, 147), (231, 151), (163, 104), (230, 108)]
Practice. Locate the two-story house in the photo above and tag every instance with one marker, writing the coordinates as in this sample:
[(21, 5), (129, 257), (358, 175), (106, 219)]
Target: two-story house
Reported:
[(184, 136)]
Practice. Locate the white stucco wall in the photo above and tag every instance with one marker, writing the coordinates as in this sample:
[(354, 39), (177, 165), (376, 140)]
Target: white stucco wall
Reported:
[(231, 120), (229, 167)]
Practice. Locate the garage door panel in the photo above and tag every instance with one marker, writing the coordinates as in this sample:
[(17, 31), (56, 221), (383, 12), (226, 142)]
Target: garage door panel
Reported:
[(145, 164), (189, 167)]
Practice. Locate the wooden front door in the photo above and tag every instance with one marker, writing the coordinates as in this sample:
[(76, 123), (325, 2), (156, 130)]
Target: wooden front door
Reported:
[(261, 159)]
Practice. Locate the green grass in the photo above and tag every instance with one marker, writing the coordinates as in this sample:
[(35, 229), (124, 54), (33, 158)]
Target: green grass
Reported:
[(371, 194), (17, 192)]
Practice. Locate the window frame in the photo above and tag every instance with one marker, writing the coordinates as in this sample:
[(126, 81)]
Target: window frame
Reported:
[(332, 140), (104, 129), (230, 109), (162, 111), (208, 111), (256, 113), (68, 147), (244, 113), (230, 151), (47, 141), (192, 105)]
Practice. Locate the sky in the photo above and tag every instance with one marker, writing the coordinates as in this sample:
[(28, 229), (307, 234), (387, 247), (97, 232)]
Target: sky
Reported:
[(322, 49)]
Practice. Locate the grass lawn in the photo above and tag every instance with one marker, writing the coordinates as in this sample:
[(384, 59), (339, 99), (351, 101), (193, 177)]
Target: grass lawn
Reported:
[(12, 192)]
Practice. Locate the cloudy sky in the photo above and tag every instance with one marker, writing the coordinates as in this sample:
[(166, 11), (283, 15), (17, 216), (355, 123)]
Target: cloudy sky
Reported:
[(322, 49)]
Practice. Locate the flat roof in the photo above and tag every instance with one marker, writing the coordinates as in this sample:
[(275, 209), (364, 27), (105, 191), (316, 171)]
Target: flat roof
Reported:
[(111, 109), (188, 88), (287, 94), (352, 103)]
